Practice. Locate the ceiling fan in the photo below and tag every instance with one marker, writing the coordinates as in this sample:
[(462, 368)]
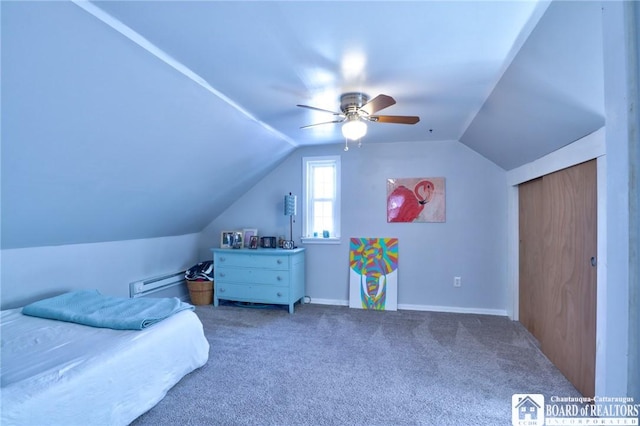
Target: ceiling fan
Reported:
[(357, 109)]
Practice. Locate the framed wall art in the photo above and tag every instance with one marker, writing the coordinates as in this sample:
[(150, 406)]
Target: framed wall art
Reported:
[(416, 200)]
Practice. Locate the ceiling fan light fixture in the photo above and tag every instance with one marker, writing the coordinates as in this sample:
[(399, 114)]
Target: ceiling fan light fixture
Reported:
[(354, 129)]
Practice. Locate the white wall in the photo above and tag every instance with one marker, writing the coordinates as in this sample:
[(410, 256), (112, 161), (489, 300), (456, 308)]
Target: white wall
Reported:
[(30, 274), (634, 215), (618, 103), (471, 244)]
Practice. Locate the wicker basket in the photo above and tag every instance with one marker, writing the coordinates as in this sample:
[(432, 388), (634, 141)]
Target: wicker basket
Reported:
[(200, 292)]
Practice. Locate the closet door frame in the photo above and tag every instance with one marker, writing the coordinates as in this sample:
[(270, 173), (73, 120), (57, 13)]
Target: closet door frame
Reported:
[(588, 148)]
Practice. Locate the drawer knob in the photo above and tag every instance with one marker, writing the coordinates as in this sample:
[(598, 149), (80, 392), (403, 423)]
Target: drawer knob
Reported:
[(222, 274), (279, 294), (222, 259), (279, 278), (221, 290), (279, 261)]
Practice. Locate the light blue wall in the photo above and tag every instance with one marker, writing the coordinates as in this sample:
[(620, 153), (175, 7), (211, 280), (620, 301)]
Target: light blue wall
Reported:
[(31, 274), (471, 244)]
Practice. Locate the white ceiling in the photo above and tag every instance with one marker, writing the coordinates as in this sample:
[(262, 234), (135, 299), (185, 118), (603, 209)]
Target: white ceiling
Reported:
[(105, 104), (440, 60)]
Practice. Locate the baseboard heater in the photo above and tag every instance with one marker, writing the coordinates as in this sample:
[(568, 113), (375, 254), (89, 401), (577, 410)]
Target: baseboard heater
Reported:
[(169, 285)]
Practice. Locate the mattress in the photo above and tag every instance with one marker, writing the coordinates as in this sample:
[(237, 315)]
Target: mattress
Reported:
[(60, 373)]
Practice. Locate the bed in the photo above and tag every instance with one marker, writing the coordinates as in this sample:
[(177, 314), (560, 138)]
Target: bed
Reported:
[(63, 373)]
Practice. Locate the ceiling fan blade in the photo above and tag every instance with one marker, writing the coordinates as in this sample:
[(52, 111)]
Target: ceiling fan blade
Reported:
[(377, 103), (320, 109), (320, 124), (400, 119)]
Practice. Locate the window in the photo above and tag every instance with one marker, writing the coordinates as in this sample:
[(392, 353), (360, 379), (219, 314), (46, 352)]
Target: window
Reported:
[(321, 195)]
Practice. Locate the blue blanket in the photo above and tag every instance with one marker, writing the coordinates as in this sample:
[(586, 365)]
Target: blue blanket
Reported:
[(89, 307)]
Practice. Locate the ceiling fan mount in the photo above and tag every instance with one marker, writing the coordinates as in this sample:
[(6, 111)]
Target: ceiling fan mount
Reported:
[(350, 103)]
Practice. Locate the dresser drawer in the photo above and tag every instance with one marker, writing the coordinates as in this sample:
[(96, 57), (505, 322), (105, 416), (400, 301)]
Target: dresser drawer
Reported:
[(252, 293), (245, 260), (252, 276)]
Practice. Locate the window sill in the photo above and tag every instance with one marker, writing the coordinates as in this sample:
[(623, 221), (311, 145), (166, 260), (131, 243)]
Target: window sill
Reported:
[(319, 240)]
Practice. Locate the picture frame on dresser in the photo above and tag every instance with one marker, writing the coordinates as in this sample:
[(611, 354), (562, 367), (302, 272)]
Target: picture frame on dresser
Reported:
[(253, 242), (247, 233), (226, 239)]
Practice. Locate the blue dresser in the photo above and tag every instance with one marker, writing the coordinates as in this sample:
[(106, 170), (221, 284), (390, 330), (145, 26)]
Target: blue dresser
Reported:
[(272, 276)]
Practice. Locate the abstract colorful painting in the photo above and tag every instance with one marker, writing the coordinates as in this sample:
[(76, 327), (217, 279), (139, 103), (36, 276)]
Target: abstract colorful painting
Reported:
[(373, 273), (416, 200)]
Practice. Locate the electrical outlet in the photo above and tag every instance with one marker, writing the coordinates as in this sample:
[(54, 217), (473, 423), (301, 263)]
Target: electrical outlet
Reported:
[(457, 281)]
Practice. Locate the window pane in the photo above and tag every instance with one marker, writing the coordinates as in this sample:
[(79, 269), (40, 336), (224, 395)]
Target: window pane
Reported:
[(323, 217), (323, 182)]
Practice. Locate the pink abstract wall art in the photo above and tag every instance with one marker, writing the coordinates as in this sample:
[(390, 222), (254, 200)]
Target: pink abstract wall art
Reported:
[(416, 200)]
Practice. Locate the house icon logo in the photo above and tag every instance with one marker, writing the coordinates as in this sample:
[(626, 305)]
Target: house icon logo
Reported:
[(527, 409)]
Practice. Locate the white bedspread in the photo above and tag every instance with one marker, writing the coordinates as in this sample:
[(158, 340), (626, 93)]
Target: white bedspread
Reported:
[(59, 373)]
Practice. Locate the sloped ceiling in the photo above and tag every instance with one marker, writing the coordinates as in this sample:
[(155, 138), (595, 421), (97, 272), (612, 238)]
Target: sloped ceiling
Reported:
[(552, 93), (125, 120), (438, 59)]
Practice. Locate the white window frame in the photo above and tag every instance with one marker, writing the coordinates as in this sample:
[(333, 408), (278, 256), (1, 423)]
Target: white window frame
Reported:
[(307, 222)]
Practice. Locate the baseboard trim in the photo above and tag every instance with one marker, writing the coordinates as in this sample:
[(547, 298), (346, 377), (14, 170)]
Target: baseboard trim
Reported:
[(427, 308), (334, 302), (454, 309)]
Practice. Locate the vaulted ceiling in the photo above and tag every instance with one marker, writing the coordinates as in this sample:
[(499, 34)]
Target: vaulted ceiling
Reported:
[(116, 115)]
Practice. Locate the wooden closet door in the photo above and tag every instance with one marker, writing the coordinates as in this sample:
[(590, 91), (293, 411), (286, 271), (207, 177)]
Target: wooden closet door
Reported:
[(569, 319), (557, 302), (531, 211)]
